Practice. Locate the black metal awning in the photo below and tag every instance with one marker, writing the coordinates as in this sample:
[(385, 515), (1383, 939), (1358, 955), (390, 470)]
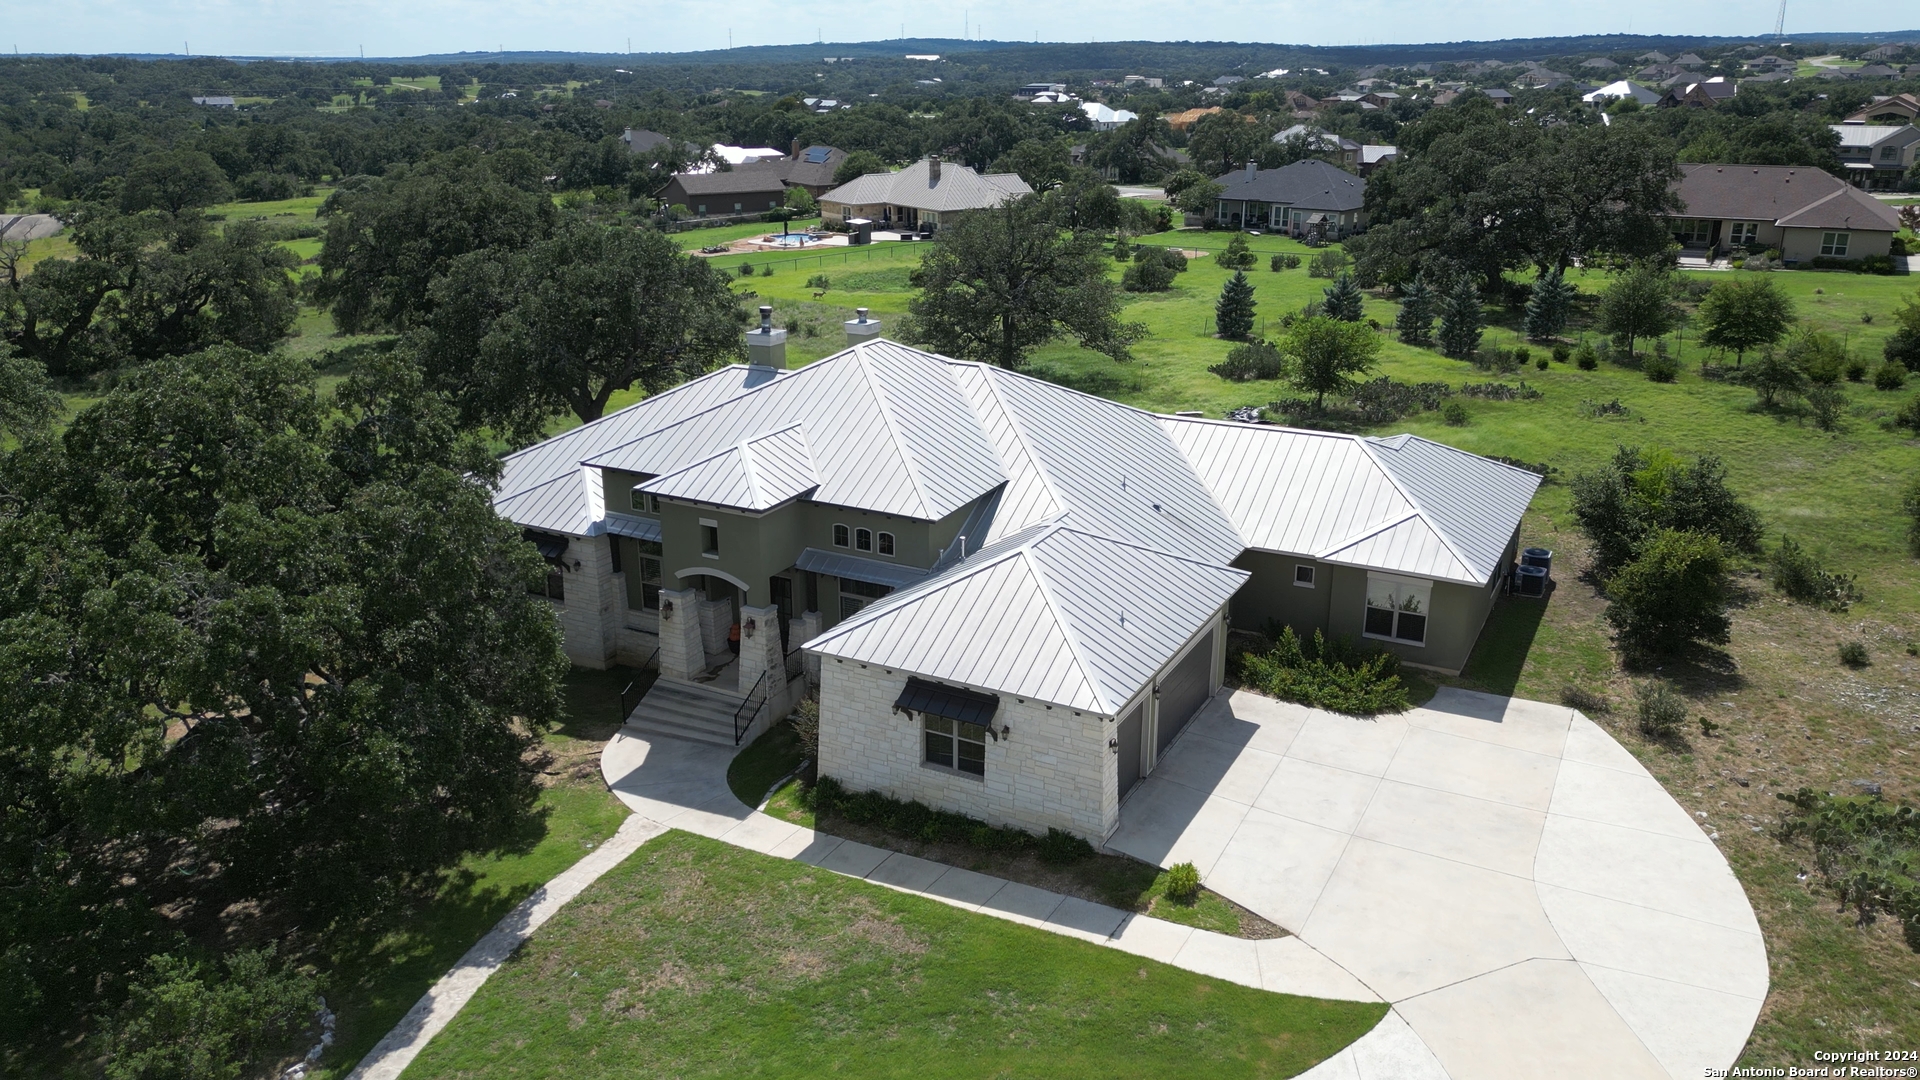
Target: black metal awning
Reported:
[(952, 702), (551, 545)]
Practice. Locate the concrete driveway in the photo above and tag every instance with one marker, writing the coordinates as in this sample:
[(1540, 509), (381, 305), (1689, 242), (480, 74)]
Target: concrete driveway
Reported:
[(1527, 896)]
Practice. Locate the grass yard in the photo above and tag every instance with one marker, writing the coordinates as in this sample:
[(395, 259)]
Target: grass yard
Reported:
[(377, 972), (697, 959), (694, 239)]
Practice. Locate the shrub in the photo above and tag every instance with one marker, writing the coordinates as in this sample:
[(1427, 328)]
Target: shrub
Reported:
[(1658, 711), (1594, 410), (1586, 358), (1383, 401), (1865, 849), (1327, 675), (1283, 261), (806, 726), (1889, 376), (1635, 495), (1562, 353), (1574, 697), (1856, 369), (1183, 883), (1455, 414), (1236, 256), (187, 1019), (1122, 251), (1060, 848), (1499, 391), (1854, 654), (1826, 402), (745, 270), (819, 283), (1540, 364), (1672, 595), (1522, 356), (1796, 573), (1329, 264), (1659, 366), (1342, 300), (917, 821), (1877, 264), (1255, 360), (767, 270)]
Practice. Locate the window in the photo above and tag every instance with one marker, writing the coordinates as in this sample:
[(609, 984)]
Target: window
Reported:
[(839, 536), (886, 544), (645, 503), (1834, 243), (1397, 609), (1694, 231), (863, 539), (1303, 575), (1744, 233), (556, 585), (736, 208), (701, 209), (650, 579), (1889, 153), (955, 745), (710, 539), (855, 595)]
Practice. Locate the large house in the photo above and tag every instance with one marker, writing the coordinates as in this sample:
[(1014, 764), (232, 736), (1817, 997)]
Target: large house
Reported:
[(919, 197), (1321, 141), (1803, 213), (1301, 199), (1012, 596), (1878, 157), (1897, 109), (743, 190)]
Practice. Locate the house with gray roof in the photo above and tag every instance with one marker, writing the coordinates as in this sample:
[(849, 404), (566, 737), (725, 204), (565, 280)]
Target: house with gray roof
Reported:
[(1878, 157), (919, 197), (1306, 197), (1011, 596), (1804, 213), (743, 190)]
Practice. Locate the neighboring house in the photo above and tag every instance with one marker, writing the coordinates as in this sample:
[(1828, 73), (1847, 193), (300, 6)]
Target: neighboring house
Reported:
[(1877, 157), (1322, 141), (640, 141), (744, 190), (1656, 58), (1306, 198), (1034, 90), (1103, 118), (1499, 96), (812, 168), (919, 197), (1373, 156), (1013, 596), (1688, 60), (1144, 80), (1624, 88), (1700, 95), (215, 101), (1877, 71), (1381, 98), (1803, 212), (1898, 109), (745, 155), (1599, 63)]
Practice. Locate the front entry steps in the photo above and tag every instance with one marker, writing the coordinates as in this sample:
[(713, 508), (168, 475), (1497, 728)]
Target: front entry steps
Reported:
[(683, 710)]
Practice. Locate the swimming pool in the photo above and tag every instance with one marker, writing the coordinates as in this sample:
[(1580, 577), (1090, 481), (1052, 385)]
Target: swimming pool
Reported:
[(789, 240)]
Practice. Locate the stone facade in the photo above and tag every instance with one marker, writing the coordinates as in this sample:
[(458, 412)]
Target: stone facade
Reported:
[(682, 654), (1051, 768)]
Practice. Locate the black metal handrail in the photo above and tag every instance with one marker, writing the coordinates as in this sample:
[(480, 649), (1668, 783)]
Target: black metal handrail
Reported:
[(795, 662), (749, 710)]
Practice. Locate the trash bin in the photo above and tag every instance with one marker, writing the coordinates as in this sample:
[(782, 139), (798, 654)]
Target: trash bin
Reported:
[(1540, 557), (1530, 580)]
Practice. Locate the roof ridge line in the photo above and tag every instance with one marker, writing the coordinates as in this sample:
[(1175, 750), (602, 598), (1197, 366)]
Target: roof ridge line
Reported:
[(859, 352), (1371, 531), (1063, 526), (958, 572), (1420, 508), (1020, 435), (749, 467), (1067, 628), (743, 395)]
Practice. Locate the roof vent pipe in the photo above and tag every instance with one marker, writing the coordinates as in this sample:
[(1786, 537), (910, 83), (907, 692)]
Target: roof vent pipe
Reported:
[(767, 346), (861, 328)]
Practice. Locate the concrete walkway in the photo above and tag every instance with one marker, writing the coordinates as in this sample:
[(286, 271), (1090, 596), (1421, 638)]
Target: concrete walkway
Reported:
[(1527, 896)]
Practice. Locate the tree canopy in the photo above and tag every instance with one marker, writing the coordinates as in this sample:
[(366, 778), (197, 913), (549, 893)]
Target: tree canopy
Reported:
[(1327, 355), (1744, 312), (998, 282)]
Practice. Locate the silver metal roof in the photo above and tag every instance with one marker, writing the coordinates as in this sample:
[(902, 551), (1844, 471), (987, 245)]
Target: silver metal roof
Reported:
[(1052, 613), (757, 475), (637, 528), (958, 188), (888, 428), (1348, 499)]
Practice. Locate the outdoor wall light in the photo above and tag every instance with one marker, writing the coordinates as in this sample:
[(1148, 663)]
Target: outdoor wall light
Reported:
[(1113, 744), (747, 630), (666, 609)]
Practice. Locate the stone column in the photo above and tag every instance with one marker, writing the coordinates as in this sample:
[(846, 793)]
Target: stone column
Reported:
[(802, 630), (716, 618), (682, 653), (760, 651)]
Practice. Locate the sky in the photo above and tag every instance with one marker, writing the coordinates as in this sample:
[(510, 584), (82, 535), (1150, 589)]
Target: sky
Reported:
[(416, 27)]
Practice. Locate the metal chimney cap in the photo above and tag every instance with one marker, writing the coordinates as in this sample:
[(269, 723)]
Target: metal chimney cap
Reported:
[(766, 316), (862, 312)]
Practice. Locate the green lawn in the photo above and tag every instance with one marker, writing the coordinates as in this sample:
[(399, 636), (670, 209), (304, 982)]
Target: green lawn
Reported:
[(695, 238), (377, 972), (697, 959)]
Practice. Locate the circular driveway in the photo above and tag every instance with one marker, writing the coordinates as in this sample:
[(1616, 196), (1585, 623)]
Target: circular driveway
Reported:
[(1528, 897)]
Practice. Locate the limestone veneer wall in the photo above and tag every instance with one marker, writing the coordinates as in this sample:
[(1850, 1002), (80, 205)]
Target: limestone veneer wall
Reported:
[(1052, 770)]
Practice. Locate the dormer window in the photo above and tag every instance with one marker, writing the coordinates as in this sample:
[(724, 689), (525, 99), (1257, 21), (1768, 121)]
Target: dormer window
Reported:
[(839, 536), (863, 539), (885, 541)]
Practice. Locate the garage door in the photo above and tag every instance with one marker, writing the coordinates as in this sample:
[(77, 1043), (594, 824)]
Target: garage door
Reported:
[(1129, 737), (1184, 689)]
